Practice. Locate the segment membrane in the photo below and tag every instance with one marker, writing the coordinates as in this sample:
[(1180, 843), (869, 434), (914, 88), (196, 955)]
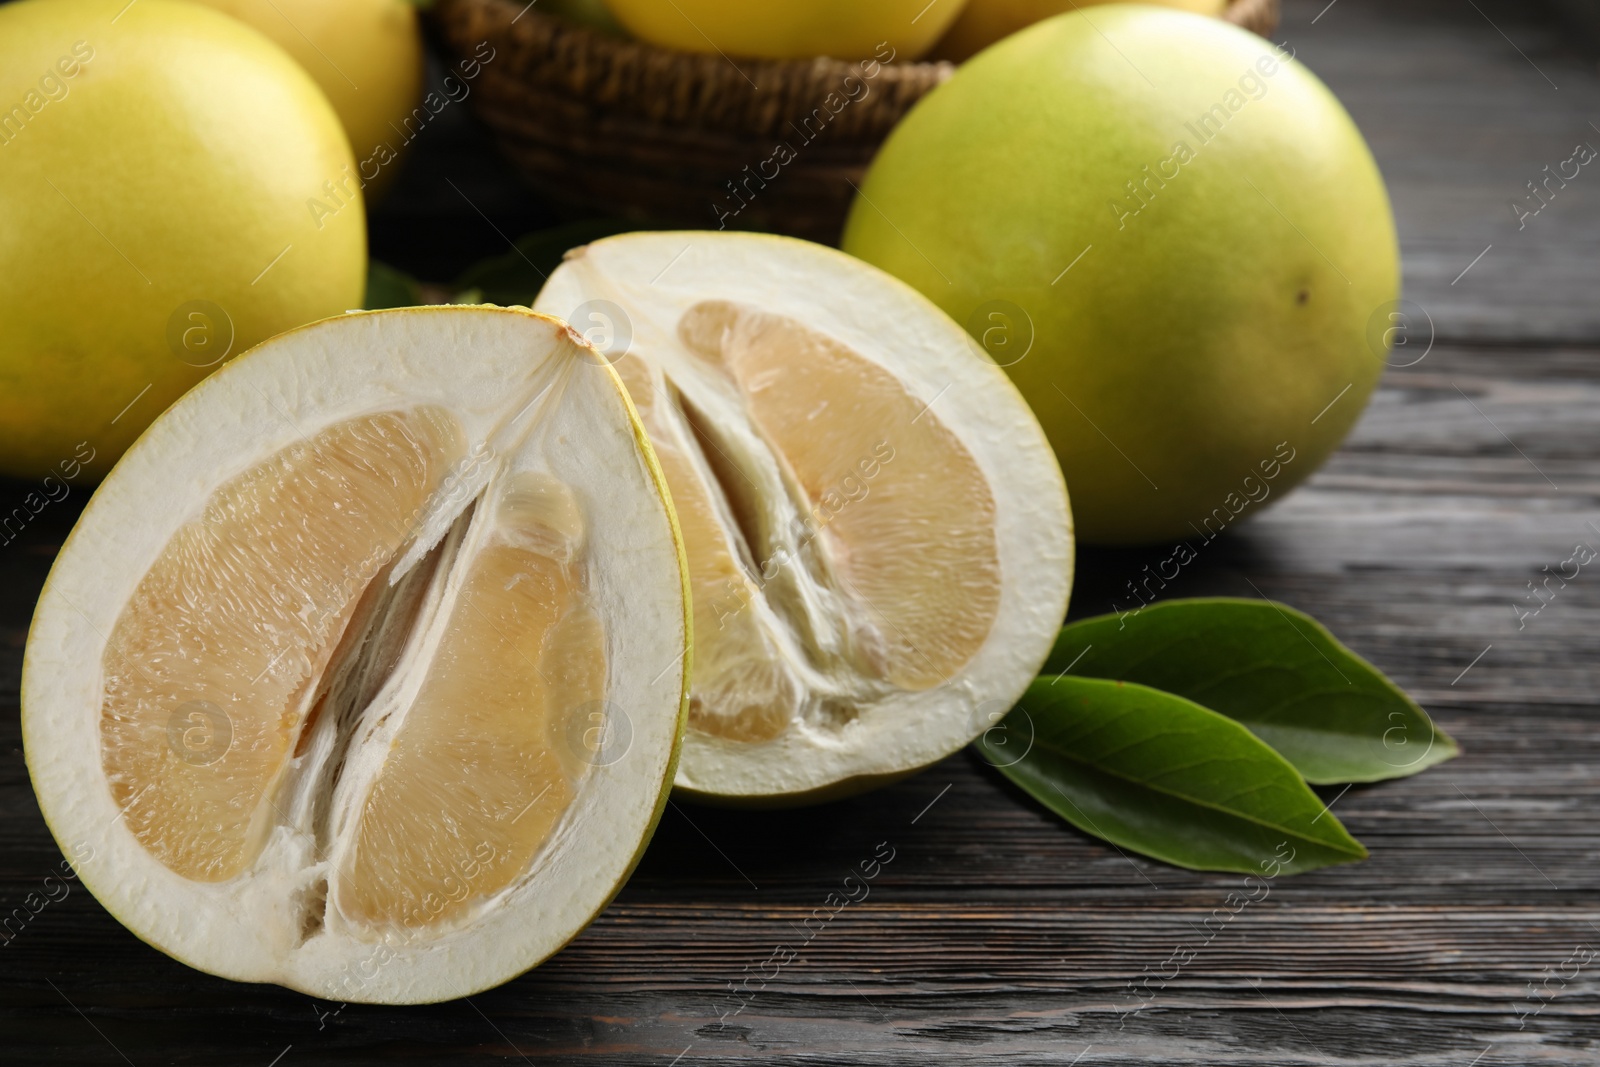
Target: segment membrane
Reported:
[(742, 690), (901, 509), (491, 751), (211, 665)]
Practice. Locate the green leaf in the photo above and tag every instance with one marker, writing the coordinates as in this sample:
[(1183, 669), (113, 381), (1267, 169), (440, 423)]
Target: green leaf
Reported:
[(591, 13), (390, 288), (517, 276), (1161, 775), (512, 278), (1278, 671)]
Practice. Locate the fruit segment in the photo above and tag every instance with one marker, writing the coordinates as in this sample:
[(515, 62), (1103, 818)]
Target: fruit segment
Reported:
[(212, 663), (903, 513), (489, 754), (742, 690)]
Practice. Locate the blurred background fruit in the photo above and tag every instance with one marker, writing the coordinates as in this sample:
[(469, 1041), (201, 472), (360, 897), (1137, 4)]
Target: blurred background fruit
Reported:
[(791, 29), (365, 54), (157, 177), (1180, 271), (983, 22)]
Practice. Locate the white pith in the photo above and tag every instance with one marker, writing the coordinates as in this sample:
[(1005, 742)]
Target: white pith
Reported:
[(852, 726), (539, 400)]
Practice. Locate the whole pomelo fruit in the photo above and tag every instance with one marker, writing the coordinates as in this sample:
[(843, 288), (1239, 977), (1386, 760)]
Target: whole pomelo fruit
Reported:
[(366, 55), (155, 173), (983, 22), (1172, 234), (790, 29)]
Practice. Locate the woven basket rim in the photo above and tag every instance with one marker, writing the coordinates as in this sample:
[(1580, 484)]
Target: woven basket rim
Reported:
[(1261, 16), (549, 61), (1247, 13), (625, 127), (515, 13)]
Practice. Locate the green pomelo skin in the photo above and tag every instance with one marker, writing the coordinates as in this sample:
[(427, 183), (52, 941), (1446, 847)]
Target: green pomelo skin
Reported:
[(1213, 339)]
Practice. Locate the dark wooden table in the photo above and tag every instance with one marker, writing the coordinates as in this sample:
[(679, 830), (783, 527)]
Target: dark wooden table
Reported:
[(998, 935)]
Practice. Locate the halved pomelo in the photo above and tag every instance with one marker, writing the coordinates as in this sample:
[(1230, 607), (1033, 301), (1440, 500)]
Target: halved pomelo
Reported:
[(878, 535), (364, 671)]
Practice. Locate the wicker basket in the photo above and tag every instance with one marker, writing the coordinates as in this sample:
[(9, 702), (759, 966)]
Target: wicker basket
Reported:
[(629, 129)]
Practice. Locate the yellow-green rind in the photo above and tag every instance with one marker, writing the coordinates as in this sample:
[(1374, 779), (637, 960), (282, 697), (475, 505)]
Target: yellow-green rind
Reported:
[(1168, 349), (164, 187)]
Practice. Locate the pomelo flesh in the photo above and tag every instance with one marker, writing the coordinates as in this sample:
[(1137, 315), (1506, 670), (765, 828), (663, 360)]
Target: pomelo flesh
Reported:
[(877, 535)]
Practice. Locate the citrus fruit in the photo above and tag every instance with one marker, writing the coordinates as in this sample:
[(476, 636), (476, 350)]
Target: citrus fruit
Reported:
[(1173, 236), (155, 164), (983, 22), (791, 29), (878, 537), (382, 702), (366, 55)]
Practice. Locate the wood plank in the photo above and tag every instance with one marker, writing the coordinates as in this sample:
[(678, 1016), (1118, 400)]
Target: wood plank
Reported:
[(998, 935), (1463, 104)]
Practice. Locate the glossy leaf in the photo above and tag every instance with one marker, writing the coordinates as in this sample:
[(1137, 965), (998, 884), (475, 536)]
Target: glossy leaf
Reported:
[(1277, 670), (388, 287), (1161, 775), (515, 277)]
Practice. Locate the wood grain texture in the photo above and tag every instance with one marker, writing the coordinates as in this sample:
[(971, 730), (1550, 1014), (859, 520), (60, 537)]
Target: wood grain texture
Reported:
[(997, 935)]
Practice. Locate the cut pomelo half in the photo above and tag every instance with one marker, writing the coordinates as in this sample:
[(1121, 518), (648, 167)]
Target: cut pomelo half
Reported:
[(878, 536), (364, 671)]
